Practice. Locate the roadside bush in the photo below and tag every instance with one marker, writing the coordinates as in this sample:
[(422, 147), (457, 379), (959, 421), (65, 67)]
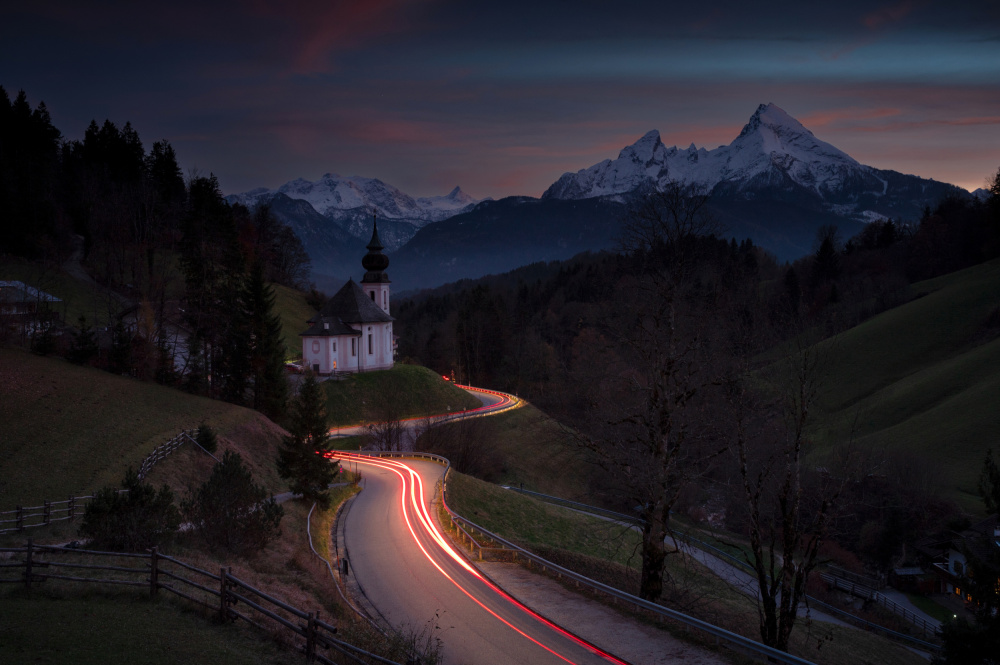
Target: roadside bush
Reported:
[(206, 438), (130, 521), (231, 512)]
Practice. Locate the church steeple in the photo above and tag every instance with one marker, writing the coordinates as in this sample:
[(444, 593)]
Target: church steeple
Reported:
[(375, 282), (375, 262)]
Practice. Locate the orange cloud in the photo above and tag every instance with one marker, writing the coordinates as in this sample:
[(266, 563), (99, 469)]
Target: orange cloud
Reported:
[(824, 118), (325, 28), (887, 15)]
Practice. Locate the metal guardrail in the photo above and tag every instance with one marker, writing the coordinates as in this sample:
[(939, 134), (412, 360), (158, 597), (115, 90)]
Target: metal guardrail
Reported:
[(928, 628), (732, 640)]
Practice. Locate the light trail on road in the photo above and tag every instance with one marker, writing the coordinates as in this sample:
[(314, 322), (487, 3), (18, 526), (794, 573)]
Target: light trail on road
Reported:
[(412, 486)]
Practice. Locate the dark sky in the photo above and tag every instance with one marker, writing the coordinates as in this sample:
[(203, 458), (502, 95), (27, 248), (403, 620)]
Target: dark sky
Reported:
[(502, 98)]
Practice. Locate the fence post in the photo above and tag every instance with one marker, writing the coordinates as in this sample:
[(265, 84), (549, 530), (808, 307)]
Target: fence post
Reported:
[(20, 518), (311, 636), (72, 507), (27, 566), (47, 512), (154, 572)]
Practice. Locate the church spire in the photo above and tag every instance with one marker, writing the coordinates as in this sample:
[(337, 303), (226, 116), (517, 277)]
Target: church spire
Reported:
[(375, 262), (375, 245)]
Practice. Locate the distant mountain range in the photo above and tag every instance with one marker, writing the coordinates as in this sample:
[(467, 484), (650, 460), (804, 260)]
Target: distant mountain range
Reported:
[(775, 183)]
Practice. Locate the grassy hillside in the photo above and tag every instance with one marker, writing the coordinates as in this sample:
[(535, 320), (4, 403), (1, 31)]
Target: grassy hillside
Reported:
[(529, 450), (67, 429), (291, 306), (923, 377), (42, 628), (606, 552), (414, 391)]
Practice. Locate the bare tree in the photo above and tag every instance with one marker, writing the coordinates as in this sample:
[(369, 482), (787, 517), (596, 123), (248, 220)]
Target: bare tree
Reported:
[(644, 381), (788, 507), (385, 428)]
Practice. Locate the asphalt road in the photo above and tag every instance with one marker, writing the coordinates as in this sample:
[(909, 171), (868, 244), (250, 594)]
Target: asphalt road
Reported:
[(404, 568), (492, 402)]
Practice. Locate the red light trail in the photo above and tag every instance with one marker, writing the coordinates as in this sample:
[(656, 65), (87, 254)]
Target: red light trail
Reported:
[(416, 489)]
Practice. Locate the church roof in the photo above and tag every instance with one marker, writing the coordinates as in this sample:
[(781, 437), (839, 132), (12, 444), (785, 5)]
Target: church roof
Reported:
[(328, 326), (352, 305)]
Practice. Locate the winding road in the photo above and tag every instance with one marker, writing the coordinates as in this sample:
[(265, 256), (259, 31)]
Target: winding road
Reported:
[(416, 580)]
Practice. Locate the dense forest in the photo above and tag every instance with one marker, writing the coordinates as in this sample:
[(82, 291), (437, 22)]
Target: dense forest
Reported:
[(188, 275)]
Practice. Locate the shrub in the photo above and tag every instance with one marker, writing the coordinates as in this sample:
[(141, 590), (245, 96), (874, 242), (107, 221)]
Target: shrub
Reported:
[(206, 438), (230, 511), (133, 520)]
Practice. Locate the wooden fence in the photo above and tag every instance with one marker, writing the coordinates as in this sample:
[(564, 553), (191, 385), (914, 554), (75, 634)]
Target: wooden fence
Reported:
[(225, 595), (929, 628), (26, 517), (161, 452)]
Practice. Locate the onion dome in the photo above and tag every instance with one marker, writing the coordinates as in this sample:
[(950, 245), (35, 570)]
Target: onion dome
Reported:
[(375, 262)]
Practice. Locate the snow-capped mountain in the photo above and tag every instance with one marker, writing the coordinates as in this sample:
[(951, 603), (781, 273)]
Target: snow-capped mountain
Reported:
[(324, 212), (774, 157), (333, 194)]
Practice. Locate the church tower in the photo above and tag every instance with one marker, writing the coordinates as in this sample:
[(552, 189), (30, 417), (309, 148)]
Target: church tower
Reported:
[(376, 283)]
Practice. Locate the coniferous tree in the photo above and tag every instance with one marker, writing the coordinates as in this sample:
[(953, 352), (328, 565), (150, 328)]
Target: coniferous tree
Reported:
[(206, 438), (131, 521), (230, 511), (302, 461), (267, 349)]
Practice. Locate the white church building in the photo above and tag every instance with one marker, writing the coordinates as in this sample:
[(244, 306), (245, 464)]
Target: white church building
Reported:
[(353, 331)]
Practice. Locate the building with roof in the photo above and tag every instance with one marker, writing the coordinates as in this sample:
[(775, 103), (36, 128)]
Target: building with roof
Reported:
[(353, 330)]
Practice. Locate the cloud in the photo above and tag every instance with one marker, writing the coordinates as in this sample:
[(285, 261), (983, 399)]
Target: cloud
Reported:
[(887, 15), (324, 28), (837, 116)]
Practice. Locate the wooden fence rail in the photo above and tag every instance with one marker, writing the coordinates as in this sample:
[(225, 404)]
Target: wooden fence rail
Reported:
[(27, 517), (220, 593)]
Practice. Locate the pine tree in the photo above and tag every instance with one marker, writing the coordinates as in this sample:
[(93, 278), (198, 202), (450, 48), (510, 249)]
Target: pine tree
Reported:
[(302, 461), (231, 511), (267, 349)]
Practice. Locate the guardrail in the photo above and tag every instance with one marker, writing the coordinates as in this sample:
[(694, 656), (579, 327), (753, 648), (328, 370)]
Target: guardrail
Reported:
[(927, 627), (720, 635)]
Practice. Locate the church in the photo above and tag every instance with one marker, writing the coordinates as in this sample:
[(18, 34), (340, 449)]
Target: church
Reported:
[(353, 331)]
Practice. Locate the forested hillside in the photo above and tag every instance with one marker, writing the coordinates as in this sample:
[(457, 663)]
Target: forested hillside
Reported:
[(169, 282)]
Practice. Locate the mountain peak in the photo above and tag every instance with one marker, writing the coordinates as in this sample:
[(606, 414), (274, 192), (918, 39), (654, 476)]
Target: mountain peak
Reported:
[(773, 117), (644, 149)]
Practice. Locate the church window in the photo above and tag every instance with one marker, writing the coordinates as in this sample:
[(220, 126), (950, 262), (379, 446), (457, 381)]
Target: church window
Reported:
[(384, 297), (369, 343), (354, 347), (372, 293), (334, 346)]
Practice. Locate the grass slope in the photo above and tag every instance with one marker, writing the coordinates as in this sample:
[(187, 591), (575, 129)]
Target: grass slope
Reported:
[(415, 391), (606, 552), (923, 378), (67, 429), (290, 305), (42, 628)]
